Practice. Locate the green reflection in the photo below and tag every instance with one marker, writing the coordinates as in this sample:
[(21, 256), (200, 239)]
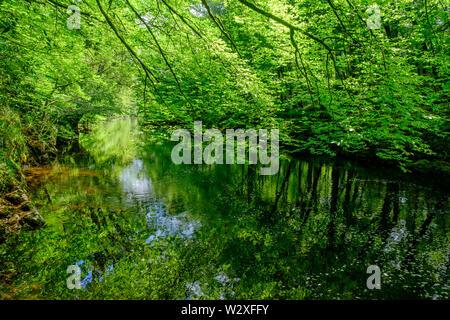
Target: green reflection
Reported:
[(112, 141), (141, 227)]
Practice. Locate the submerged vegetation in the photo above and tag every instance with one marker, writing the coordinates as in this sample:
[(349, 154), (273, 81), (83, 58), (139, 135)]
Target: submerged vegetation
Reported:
[(338, 78)]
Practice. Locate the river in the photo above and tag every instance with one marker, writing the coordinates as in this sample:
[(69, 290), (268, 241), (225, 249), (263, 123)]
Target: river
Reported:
[(140, 227)]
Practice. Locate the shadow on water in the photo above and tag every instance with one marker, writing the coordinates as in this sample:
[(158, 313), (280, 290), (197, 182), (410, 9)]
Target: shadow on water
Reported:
[(141, 227)]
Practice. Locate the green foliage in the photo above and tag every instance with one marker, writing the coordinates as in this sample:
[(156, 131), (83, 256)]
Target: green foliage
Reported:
[(311, 68), (314, 69)]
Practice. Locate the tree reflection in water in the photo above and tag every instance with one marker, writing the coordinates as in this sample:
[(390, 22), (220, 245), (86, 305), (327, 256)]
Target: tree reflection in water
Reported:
[(144, 228)]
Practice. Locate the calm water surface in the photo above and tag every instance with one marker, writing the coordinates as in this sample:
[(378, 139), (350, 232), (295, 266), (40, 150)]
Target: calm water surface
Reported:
[(140, 227)]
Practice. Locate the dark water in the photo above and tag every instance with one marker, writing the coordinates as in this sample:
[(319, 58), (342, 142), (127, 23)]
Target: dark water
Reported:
[(140, 227)]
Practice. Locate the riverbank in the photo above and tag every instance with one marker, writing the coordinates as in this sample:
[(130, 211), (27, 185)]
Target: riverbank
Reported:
[(438, 168), (23, 145)]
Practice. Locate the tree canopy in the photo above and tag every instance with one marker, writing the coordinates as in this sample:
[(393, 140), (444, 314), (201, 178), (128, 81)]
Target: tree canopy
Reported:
[(324, 72)]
